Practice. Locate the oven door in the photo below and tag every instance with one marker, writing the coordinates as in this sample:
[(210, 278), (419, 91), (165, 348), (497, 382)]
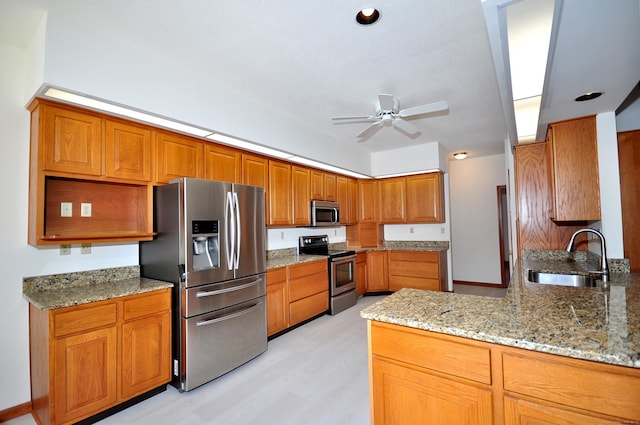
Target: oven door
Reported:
[(342, 275)]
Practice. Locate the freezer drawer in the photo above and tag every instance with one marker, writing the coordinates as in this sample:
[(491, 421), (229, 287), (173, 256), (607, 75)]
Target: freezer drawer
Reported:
[(218, 342), (207, 298)]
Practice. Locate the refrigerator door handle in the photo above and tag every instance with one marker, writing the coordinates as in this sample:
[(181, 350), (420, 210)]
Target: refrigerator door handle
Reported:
[(231, 231), (236, 205)]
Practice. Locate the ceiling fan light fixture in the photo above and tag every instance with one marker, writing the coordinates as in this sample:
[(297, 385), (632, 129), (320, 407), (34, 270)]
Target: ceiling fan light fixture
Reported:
[(367, 16), (588, 96), (460, 155)]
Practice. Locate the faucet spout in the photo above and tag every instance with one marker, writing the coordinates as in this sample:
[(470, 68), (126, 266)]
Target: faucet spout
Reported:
[(604, 267)]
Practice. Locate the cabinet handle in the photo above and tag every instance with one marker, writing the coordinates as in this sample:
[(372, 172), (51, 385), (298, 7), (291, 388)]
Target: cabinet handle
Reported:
[(202, 294)]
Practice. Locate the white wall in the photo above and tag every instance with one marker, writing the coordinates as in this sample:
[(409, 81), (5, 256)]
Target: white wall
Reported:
[(475, 242), (411, 158)]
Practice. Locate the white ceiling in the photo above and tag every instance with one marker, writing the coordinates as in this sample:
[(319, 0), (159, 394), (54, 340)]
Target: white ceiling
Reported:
[(310, 63)]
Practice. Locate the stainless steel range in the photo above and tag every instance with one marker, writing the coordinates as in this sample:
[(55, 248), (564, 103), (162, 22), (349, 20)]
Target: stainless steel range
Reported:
[(342, 271)]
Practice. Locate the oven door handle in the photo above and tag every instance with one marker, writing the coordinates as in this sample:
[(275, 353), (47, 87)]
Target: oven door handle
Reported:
[(229, 316), (202, 294), (340, 260)]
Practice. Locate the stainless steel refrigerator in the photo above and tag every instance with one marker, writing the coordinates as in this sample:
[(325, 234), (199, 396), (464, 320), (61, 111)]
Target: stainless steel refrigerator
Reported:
[(211, 244)]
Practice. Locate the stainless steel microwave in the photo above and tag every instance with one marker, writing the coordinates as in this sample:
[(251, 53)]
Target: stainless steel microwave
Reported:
[(324, 213)]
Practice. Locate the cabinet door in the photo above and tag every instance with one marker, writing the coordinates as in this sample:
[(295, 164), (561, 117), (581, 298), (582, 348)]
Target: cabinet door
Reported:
[(576, 188), (317, 185), (519, 412), (361, 273), (367, 201), (177, 157), (277, 301), (280, 208), (84, 374), (424, 198), (405, 395), (301, 182), (393, 200), (352, 200), (377, 271), (343, 199), (127, 151), (72, 141), (222, 164), (330, 188), (146, 354), (255, 171)]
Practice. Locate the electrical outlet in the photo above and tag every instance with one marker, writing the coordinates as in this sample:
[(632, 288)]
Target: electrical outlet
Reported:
[(281, 236), (442, 230), (65, 249), (66, 209), (85, 210), (85, 248), (410, 229)]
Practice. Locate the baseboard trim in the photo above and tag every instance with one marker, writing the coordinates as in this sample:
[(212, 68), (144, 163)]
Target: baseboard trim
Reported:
[(490, 285), (15, 412)]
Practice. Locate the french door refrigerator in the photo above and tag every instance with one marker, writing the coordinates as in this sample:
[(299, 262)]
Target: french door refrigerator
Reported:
[(211, 244)]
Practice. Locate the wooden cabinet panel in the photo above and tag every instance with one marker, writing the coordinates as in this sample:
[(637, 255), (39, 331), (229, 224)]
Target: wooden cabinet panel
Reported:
[(402, 395), (255, 171), (146, 353), (425, 198), (361, 273), (222, 163), (280, 207), (367, 201), (574, 170), (345, 195), (84, 374), (392, 200), (177, 156), (308, 290), (419, 270), (301, 184), (277, 300), (127, 151), (71, 140), (308, 307), (518, 411), (83, 318), (330, 187), (377, 271), (317, 185), (535, 230)]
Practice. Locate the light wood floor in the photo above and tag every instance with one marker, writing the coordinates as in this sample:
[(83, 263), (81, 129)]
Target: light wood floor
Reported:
[(314, 375)]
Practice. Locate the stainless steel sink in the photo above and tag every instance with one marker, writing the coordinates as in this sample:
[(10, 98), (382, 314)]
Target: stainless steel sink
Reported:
[(576, 280)]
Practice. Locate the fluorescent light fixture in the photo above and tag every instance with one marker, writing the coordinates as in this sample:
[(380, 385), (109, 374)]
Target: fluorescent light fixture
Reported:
[(100, 105), (527, 112), (408, 173), (242, 144)]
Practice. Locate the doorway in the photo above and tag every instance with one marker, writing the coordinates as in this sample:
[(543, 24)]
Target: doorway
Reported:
[(503, 234), (629, 162)]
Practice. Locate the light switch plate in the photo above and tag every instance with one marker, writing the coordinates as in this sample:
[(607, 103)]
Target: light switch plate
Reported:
[(66, 209), (85, 248), (65, 249), (85, 210)]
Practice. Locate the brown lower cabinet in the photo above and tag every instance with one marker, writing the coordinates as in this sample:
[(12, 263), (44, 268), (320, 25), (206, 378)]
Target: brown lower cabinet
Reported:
[(396, 269), (419, 376), (296, 293), (88, 358)]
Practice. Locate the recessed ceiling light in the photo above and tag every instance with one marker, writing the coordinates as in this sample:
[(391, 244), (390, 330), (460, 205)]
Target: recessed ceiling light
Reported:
[(367, 16), (588, 96), (460, 155)]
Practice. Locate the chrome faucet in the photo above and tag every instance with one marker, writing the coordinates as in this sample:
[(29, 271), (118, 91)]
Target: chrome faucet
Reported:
[(604, 268)]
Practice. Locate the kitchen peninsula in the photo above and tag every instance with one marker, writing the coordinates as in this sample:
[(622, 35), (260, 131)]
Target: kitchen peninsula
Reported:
[(550, 353)]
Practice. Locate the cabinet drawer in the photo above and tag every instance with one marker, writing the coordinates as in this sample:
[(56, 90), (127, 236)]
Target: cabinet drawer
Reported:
[(308, 307), (146, 304), (70, 320), (308, 285), (422, 257), (275, 276), (596, 387), (424, 349), (306, 269)]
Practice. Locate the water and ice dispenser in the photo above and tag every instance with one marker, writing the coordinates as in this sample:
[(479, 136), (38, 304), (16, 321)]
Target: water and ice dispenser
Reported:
[(206, 244)]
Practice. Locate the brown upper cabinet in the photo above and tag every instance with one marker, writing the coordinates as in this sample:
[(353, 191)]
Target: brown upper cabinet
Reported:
[(127, 151), (317, 185), (330, 187), (412, 199), (222, 163), (177, 156), (301, 184), (367, 202), (280, 194), (573, 170), (346, 197)]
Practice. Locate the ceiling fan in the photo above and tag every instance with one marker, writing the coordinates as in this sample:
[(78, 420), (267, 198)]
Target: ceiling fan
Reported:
[(388, 114)]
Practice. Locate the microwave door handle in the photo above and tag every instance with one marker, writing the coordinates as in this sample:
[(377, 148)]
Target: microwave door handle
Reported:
[(230, 242), (337, 215), (238, 225)]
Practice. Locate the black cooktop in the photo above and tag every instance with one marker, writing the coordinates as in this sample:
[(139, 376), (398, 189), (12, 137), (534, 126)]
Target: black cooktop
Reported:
[(319, 245)]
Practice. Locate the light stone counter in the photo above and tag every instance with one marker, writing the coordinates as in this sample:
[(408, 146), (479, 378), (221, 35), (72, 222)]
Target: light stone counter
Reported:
[(68, 289), (584, 323)]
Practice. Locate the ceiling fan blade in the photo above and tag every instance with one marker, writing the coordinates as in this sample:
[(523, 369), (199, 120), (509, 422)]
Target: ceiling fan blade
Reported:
[(368, 118), (424, 109), (369, 131), (405, 127), (386, 102)]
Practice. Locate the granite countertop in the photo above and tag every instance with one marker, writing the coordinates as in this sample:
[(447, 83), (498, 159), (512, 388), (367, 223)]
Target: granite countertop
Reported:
[(584, 323), (65, 290)]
